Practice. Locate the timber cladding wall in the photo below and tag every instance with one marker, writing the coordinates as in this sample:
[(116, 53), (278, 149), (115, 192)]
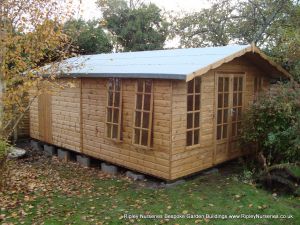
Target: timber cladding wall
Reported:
[(79, 117), (154, 161)]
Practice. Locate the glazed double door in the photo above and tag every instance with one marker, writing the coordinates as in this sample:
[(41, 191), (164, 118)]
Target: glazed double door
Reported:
[(228, 114)]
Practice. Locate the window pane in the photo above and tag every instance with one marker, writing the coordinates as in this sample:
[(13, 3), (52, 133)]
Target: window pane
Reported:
[(235, 84), (118, 84), (219, 132), (197, 102), (190, 103), (139, 99), (140, 85), (110, 84), (235, 99), (225, 116), (147, 102), (238, 127), (115, 131), (220, 100), (233, 129), (148, 86), (117, 99), (219, 117), (190, 87), (239, 114), (226, 84), (146, 119), (110, 98), (220, 84), (240, 84), (116, 115), (189, 120), (224, 131), (137, 136), (240, 101), (226, 98), (108, 130), (234, 114), (197, 85), (144, 138), (196, 120), (189, 138), (196, 137), (109, 115), (138, 119)]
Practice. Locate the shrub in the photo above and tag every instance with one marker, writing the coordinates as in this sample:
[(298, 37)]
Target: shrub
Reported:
[(3, 154), (272, 125)]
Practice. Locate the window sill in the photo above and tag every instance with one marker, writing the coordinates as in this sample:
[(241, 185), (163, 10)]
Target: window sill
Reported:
[(116, 141), (141, 147), (192, 147)]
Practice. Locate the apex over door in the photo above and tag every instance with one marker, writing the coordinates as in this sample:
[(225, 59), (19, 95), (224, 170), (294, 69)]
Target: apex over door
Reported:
[(229, 106)]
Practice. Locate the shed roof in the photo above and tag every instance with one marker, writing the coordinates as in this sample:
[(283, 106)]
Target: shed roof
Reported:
[(181, 64)]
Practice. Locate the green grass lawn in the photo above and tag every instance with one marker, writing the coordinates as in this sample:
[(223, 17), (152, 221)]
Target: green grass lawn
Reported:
[(51, 192)]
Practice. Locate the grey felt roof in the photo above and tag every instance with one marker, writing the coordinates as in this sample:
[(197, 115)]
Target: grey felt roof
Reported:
[(163, 64)]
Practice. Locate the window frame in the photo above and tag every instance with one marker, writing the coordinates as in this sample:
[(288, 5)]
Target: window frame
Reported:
[(193, 128), (113, 108), (142, 111)]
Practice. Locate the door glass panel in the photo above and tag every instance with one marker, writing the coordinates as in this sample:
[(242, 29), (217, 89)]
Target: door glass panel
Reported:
[(219, 132), (225, 131), (240, 98), (220, 84), (226, 84), (219, 117), (220, 100), (225, 116), (234, 131), (235, 84), (240, 84), (226, 98)]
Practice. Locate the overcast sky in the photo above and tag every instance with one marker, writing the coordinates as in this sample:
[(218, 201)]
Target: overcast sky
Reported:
[(90, 11)]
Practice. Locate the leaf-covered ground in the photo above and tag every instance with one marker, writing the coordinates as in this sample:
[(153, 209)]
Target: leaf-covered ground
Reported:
[(46, 191)]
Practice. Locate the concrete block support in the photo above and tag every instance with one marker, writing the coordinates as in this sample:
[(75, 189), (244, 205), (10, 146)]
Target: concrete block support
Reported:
[(36, 145), (135, 176), (175, 183), (83, 160), (63, 154), (110, 169), (49, 150)]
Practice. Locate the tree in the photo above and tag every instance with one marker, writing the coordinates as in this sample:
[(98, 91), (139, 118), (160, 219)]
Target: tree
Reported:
[(31, 36), (88, 37), (136, 26), (271, 24)]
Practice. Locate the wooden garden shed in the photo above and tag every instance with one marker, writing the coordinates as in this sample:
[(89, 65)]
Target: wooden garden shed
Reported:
[(167, 113)]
